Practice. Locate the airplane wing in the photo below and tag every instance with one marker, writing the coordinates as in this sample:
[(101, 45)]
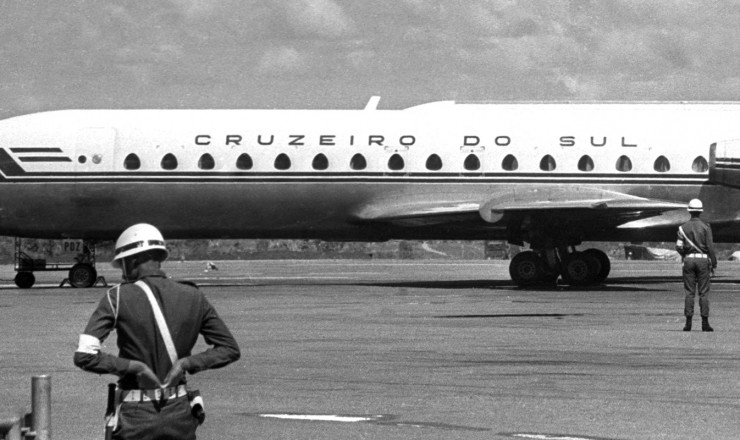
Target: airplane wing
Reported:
[(580, 204)]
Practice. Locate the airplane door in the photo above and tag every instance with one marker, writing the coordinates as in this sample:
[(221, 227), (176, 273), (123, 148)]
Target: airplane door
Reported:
[(94, 150)]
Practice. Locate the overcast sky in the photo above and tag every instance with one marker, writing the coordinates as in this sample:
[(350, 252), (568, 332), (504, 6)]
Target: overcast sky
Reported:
[(338, 53)]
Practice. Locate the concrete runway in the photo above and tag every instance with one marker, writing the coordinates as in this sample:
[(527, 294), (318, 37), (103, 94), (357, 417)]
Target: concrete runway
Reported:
[(415, 350)]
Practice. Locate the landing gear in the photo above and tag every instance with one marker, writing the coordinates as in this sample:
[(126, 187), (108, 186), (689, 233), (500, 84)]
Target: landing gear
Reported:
[(579, 268), (527, 269), (585, 268), (82, 275)]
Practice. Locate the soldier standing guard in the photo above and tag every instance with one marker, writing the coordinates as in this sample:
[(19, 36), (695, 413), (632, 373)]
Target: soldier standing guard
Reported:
[(158, 321), (696, 246)]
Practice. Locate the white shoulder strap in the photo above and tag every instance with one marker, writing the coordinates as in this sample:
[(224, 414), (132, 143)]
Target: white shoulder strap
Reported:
[(163, 330), (691, 243)]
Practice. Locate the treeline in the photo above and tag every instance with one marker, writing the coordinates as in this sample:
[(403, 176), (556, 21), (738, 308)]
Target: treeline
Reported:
[(228, 249)]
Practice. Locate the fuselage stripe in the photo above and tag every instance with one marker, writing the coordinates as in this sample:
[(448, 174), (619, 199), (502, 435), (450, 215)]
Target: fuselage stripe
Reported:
[(35, 150), (44, 159)]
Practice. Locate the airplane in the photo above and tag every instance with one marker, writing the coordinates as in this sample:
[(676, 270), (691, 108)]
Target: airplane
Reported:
[(550, 174)]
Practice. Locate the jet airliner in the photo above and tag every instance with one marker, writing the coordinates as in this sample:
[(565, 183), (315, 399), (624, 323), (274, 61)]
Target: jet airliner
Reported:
[(550, 174)]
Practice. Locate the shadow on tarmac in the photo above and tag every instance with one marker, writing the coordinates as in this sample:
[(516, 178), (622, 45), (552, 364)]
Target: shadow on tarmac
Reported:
[(507, 285)]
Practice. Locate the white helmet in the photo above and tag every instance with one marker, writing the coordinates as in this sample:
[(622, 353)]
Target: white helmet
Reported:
[(136, 239), (695, 205)]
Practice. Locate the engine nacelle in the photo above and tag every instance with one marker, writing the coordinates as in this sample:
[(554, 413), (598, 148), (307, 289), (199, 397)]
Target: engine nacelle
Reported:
[(724, 163)]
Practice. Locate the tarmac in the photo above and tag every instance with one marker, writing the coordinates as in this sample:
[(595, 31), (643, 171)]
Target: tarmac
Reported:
[(409, 349)]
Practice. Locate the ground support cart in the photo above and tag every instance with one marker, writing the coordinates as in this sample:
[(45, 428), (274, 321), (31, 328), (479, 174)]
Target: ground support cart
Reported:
[(80, 274)]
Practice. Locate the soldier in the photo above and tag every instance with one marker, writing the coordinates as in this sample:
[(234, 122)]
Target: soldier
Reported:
[(153, 401), (696, 246)]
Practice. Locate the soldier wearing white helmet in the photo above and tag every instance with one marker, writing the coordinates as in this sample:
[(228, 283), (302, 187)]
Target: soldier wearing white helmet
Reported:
[(153, 399), (696, 246)]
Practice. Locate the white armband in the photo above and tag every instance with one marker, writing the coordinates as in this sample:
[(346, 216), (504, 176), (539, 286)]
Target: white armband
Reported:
[(89, 344)]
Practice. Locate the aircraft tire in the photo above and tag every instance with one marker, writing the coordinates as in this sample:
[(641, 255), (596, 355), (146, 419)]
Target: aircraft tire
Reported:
[(25, 280), (580, 269), (82, 275), (526, 269), (605, 265)]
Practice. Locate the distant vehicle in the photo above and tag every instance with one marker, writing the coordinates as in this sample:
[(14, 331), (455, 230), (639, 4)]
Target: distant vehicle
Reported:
[(548, 174), (637, 252)]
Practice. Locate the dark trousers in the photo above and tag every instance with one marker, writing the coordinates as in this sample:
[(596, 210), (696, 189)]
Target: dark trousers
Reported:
[(169, 420), (696, 276)]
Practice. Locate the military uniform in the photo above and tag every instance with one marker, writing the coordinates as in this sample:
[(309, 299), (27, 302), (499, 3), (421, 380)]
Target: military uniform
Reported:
[(144, 414), (699, 261)]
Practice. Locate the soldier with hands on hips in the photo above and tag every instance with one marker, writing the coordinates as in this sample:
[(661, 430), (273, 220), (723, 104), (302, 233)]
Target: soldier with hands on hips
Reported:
[(153, 401), (696, 246)]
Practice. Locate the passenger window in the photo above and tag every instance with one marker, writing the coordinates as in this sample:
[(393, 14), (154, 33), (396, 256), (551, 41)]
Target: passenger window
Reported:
[(320, 162), (700, 165), (510, 163), (547, 163), (434, 163), (132, 162), (624, 164), (472, 163), (282, 162), (206, 162), (169, 162), (396, 163), (358, 162), (586, 163), (662, 164), (244, 162)]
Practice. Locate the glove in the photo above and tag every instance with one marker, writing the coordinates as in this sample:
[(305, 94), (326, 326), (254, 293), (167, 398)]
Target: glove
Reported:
[(176, 373), (143, 373)]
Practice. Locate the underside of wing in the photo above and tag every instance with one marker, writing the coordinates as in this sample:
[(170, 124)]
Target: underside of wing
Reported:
[(580, 205), (583, 204)]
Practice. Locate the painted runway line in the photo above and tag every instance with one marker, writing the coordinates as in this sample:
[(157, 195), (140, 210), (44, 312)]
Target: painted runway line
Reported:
[(322, 417)]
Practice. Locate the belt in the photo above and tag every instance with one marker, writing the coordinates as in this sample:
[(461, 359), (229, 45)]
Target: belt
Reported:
[(154, 395), (697, 256)]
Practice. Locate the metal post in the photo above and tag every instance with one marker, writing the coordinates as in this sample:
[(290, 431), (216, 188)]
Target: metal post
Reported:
[(41, 406)]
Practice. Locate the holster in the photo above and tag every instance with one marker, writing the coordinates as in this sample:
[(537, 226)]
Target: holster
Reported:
[(197, 407)]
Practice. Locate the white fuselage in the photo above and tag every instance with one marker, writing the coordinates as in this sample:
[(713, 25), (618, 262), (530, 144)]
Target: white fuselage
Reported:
[(300, 173)]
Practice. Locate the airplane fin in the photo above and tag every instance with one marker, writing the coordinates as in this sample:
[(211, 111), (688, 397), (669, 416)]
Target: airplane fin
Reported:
[(372, 104)]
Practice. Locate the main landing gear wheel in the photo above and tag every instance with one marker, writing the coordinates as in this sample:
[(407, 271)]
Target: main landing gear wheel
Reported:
[(604, 265), (25, 280), (580, 268), (82, 275), (527, 269)]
